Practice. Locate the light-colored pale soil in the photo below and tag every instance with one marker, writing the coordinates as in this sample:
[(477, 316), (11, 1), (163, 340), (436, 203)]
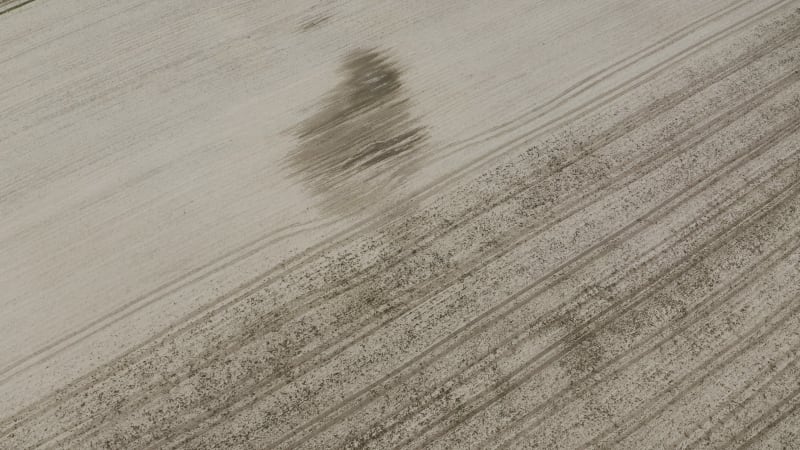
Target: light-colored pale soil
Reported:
[(486, 224)]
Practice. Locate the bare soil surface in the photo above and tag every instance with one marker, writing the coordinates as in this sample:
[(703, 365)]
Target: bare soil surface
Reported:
[(376, 224)]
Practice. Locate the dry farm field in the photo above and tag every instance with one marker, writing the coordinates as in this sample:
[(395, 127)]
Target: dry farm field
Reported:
[(399, 224)]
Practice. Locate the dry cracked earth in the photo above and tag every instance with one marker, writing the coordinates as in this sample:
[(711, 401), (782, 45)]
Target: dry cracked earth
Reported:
[(376, 224)]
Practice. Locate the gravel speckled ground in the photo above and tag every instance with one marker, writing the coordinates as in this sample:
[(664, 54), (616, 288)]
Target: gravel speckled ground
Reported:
[(383, 224)]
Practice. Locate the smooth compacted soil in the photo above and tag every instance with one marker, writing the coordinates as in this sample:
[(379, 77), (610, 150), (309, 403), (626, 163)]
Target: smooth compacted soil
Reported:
[(400, 224)]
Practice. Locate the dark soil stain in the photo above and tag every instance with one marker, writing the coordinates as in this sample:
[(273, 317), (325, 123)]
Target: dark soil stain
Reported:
[(359, 145)]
